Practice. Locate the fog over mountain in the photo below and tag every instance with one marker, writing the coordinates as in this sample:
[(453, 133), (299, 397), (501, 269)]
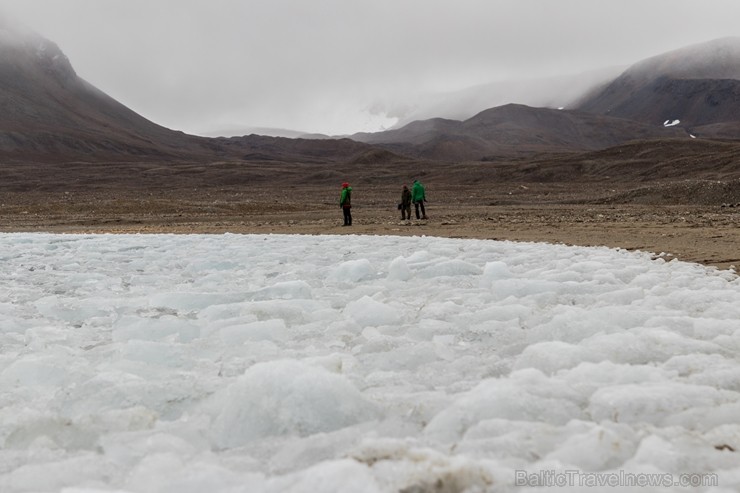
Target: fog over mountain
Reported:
[(689, 92), (692, 87), (548, 92), (47, 110), (335, 67), (50, 113)]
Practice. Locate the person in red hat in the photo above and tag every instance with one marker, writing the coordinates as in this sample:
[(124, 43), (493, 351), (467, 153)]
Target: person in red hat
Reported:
[(345, 202)]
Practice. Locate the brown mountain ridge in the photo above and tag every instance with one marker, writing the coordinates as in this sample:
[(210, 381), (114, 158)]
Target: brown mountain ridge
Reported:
[(688, 93), (697, 86), (515, 130), (49, 114)]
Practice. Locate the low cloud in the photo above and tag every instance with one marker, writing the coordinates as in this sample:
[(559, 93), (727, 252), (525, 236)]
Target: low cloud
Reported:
[(339, 67)]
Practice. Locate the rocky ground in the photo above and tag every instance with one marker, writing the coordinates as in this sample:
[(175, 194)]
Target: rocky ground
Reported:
[(589, 214)]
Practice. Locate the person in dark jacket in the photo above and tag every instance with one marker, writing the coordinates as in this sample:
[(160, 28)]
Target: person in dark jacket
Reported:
[(405, 203), (418, 197), (345, 202)]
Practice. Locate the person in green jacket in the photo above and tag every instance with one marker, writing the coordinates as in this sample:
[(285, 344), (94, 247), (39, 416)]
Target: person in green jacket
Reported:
[(418, 197), (345, 202)]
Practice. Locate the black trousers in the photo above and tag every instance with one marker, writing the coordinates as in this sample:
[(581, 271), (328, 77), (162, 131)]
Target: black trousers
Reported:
[(347, 216), (416, 209)]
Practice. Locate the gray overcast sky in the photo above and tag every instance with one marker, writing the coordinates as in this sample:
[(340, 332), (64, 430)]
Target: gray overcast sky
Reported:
[(340, 66)]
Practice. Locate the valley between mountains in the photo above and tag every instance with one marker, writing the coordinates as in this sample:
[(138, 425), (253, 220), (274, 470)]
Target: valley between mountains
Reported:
[(648, 161)]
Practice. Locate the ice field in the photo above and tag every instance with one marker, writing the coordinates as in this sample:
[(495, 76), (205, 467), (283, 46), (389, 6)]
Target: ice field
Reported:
[(280, 363)]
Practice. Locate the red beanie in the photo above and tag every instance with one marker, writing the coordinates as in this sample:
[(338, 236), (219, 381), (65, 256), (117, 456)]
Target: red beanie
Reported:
[(345, 185)]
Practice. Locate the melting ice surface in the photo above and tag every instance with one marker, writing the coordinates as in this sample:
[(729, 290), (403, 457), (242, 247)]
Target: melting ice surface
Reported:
[(358, 364)]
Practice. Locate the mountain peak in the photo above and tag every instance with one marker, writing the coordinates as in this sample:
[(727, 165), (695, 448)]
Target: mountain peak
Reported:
[(715, 59), (21, 47), (696, 86)]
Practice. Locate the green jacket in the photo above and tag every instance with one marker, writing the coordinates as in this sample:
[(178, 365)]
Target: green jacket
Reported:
[(417, 192), (345, 199)]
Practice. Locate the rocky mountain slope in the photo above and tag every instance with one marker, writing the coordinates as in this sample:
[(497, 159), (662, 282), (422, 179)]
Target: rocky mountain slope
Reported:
[(49, 114), (697, 88), (514, 130), (687, 93), (47, 111)]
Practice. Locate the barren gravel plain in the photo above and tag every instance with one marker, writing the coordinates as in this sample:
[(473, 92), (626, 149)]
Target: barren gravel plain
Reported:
[(463, 202)]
